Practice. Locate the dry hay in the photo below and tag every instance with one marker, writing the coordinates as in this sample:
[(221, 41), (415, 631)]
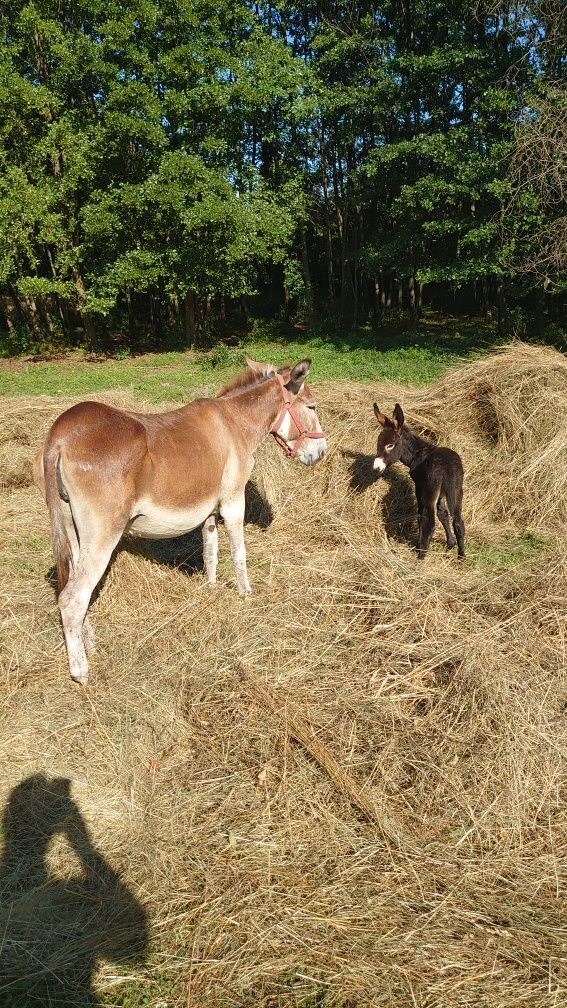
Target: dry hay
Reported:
[(348, 790)]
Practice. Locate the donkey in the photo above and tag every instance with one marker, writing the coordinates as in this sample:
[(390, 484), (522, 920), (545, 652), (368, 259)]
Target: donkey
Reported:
[(436, 472), (105, 472)]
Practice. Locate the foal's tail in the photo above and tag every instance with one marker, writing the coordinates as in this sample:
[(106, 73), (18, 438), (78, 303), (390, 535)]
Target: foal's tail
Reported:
[(55, 492), (454, 497)]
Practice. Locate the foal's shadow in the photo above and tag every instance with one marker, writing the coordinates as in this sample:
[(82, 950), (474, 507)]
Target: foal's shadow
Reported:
[(399, 508), (185, 552), (361, 472), (398, 504), (55, 929)]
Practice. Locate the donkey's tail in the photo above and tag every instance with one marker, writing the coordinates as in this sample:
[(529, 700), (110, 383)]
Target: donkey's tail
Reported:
[(55, 493)]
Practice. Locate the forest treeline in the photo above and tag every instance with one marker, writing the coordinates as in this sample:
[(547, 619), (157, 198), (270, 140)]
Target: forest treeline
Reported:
[(164, 162)]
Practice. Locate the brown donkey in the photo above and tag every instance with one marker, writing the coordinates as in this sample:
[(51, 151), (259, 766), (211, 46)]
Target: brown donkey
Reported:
[(437, 474), (105, 472)]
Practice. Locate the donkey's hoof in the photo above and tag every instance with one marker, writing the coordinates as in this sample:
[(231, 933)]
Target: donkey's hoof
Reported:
[(81, 678)]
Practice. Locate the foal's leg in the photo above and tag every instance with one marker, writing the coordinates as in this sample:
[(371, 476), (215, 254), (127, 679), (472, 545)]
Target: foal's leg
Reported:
[(210, 547), (459, 527), (74, 600), (444, 516), (233, 516), (426, 511)]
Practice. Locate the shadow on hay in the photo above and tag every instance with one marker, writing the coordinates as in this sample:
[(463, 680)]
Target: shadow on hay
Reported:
[(361, 472), (55, 930), (185, 552), (399, 508), (398, 504)]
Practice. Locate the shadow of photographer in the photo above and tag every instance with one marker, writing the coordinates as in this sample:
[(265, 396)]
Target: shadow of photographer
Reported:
[(54, 931)]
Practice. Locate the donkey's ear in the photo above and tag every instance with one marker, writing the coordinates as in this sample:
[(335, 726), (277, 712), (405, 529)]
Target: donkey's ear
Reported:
[(258, 368), (398, 415), (298, 375), (381, 417), (300, 371)]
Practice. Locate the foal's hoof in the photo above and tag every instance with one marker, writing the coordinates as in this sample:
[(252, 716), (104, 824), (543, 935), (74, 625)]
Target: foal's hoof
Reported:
[(81, 678)]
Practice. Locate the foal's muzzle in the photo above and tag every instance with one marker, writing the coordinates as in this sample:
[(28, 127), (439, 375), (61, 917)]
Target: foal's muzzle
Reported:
[(379, 466)]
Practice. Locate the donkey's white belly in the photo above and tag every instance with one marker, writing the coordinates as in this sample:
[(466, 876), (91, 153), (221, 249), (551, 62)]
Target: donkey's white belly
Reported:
[(155, 522)]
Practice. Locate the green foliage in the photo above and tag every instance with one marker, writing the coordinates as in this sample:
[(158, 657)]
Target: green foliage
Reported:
[(157, 159)]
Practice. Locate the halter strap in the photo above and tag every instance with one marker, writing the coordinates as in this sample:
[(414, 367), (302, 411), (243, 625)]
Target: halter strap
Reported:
[(287, 407)]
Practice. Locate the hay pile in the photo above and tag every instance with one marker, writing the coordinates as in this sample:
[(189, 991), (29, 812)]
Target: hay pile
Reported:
[(348, 790)]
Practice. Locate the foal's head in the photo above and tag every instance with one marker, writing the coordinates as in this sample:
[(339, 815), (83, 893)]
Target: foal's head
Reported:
[(390, 439), (297, 428)]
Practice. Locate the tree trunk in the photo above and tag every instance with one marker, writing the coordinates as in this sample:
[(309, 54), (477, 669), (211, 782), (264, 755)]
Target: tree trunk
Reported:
[(86, 316), (190, 320), (306, 274), (501, 308), (412, 304), (328, 234), (486, 307)]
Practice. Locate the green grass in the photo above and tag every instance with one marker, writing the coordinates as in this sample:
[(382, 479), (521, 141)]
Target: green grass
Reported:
[(413, 357), (513, 555), (141, 994)]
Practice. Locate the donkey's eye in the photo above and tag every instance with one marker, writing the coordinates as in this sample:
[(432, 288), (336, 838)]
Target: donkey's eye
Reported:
[(311, 406), (389, 447)]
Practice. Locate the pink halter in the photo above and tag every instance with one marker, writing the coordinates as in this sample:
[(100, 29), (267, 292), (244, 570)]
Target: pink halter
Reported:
[(287, 407)]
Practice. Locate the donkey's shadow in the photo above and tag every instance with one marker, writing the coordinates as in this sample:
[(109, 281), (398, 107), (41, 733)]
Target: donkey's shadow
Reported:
[(185, 552), (399, 514)]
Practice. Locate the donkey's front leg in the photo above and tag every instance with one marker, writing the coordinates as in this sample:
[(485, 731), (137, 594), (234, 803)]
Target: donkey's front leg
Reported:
[(233, 517), (210, 547)]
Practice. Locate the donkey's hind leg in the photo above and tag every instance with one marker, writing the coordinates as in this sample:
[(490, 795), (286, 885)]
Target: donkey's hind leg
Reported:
[(88, 633), (210, 547), (74, 600), (444, 516)]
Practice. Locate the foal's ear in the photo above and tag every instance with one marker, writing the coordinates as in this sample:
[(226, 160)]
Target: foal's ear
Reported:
[(298, 375), (381, 417), (398, 416)]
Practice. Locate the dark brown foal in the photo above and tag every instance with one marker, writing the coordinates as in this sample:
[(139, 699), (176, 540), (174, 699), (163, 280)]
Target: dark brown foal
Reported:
[(437, 474)]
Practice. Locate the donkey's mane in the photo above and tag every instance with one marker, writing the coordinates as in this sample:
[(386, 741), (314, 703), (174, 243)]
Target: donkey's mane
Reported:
[(246, 379)]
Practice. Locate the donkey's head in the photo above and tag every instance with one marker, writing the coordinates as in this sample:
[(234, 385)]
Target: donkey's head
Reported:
[(297, 428), (390, 439)]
